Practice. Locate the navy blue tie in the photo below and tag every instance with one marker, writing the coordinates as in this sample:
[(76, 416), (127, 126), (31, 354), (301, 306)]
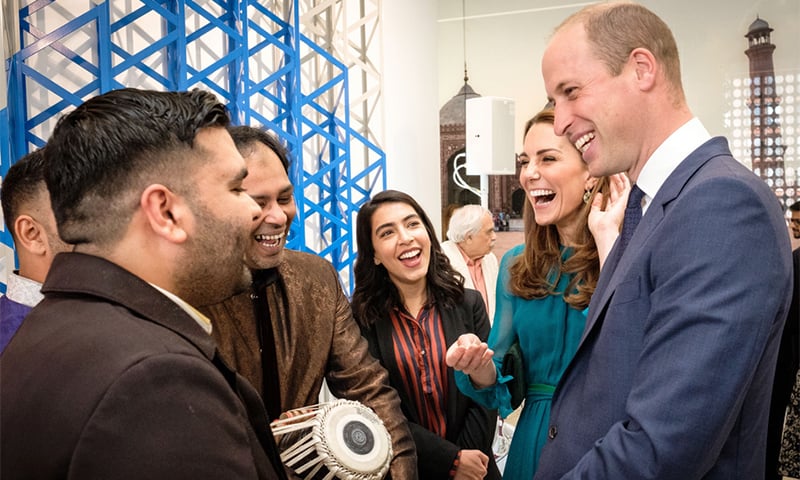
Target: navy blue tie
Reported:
[(633, 213)]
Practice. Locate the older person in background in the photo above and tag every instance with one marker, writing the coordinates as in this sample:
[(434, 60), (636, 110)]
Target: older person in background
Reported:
[(470, 238), (30, 220)]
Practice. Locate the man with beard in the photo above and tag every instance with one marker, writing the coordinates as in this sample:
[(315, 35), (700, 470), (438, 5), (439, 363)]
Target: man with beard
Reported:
[(295, 329), (114, 374)]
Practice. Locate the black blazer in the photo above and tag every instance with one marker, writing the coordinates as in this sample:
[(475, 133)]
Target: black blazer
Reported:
[(108, 378), (469, 425)]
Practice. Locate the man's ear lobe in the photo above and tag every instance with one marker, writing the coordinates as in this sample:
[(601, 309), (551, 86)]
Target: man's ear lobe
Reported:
[(165, 212), (30, 235)]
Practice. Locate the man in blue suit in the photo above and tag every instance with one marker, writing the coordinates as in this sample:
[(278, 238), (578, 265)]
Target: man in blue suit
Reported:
[(673, 376)]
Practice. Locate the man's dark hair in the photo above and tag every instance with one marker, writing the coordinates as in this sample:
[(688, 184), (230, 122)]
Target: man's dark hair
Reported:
[(104, 153), (245, 136), (23, 183), (795, 207)]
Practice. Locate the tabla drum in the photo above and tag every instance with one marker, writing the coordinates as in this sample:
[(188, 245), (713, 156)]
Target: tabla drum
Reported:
[(342, 439)]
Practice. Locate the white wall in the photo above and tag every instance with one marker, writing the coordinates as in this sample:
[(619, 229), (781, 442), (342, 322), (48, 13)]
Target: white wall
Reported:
[(411, 108)]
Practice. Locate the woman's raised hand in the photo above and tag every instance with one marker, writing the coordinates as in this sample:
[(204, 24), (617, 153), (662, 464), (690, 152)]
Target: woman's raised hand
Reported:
[(473, 357)]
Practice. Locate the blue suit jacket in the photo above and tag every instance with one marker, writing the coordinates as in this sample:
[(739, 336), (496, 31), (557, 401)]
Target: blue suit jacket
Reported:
[(673, 376)]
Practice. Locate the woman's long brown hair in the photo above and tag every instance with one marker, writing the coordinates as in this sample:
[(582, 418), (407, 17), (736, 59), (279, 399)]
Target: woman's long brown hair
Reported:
[(536, 272)]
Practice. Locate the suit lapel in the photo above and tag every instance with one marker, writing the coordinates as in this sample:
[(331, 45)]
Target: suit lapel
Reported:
[(452, 323), (616, 269)]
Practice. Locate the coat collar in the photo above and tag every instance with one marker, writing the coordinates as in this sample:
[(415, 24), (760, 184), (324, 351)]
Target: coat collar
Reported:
[(79, 273)]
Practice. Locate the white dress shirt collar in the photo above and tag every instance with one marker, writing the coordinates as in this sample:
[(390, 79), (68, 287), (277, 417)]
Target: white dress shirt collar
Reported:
[(198, 317), (23, 290), (668, 156)]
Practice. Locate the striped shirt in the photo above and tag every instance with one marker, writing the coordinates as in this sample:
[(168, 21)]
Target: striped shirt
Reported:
[(419, 350)]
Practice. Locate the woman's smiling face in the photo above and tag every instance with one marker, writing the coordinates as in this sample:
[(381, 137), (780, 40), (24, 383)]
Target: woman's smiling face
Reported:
[(401, 243), (554, 178)]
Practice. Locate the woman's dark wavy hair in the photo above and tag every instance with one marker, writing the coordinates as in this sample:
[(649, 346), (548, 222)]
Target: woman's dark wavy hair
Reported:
[(375, 294), (535, 273)]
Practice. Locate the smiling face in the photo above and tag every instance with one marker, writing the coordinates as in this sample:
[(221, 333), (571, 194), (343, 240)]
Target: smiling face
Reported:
[(268, 184), (594, 110), (401, 243), (554, 178)]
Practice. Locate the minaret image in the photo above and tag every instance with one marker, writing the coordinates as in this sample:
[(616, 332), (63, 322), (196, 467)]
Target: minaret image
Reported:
[(767, 145)]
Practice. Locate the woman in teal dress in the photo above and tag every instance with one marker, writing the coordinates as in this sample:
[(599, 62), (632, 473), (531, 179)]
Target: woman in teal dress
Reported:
[(544, 287)]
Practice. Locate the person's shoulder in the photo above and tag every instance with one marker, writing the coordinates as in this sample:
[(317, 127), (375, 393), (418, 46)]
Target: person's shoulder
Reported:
[(301, 268), (4, 300), (467, 310), (465, 304), (712, 171), (449, 247), (513, 252), (722, 166), (298, 260), (472, 296), (100, 339)]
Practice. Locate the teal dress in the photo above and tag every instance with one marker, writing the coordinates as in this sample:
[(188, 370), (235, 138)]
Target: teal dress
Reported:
[(549, 331)]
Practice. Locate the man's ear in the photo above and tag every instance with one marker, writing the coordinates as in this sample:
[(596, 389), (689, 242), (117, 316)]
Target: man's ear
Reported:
[(166, 213), (645, 66), (30, 235)]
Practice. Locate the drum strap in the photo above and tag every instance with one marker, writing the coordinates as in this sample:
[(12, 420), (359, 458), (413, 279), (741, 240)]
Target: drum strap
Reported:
[(271, 392)]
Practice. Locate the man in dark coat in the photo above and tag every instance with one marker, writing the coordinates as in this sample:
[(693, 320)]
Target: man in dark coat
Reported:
[(114, 374)]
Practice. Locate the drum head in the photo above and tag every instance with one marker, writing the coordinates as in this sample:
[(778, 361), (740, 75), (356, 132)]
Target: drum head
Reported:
[(355, 439)]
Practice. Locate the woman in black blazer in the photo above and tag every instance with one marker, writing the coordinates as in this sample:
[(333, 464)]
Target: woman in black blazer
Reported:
[(411, 305)]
